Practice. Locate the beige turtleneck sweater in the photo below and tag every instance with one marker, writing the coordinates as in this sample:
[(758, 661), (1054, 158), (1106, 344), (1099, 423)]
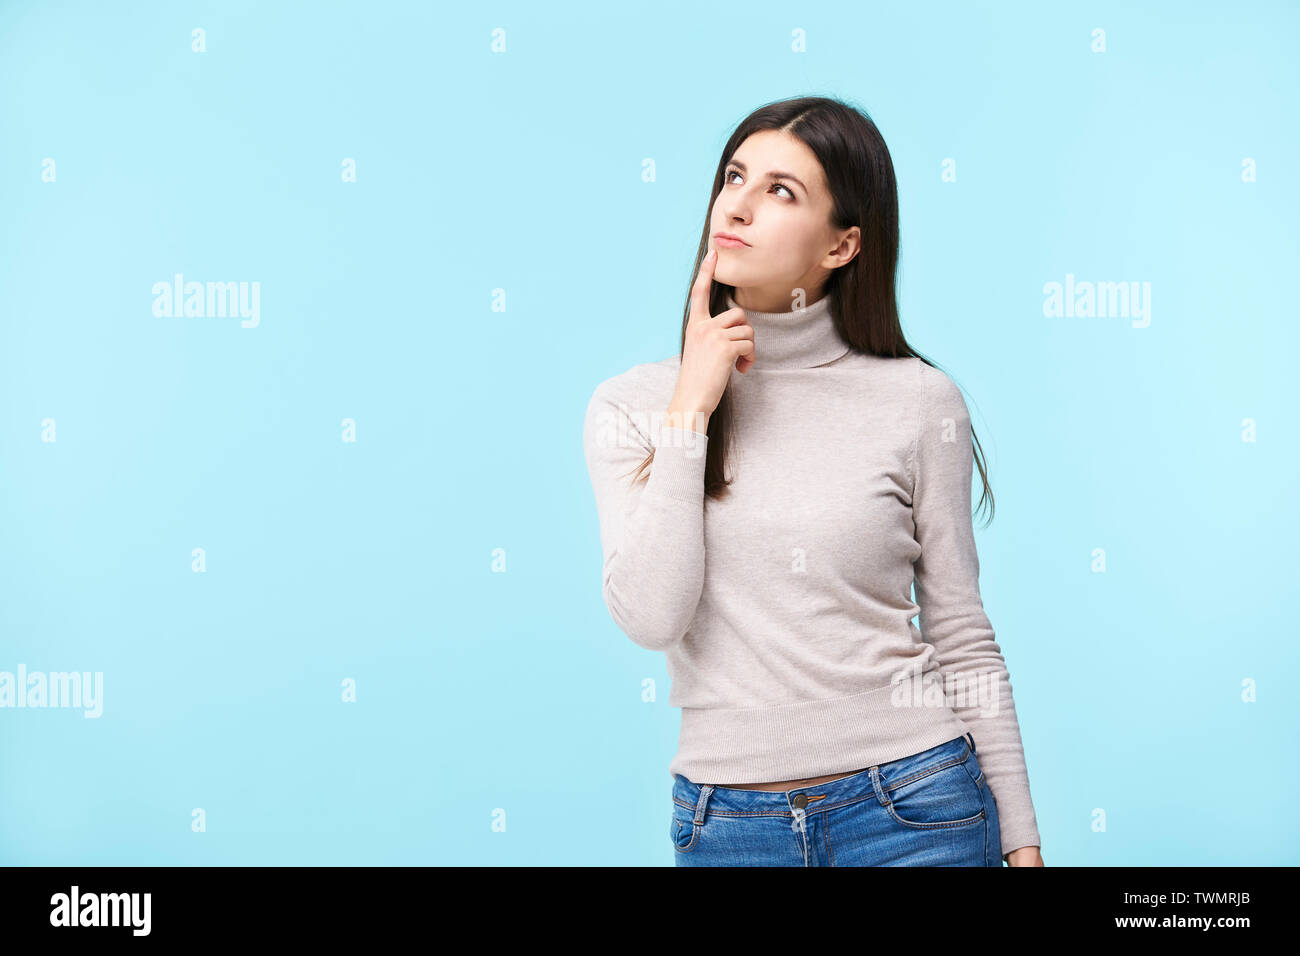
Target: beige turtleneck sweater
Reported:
[(785, 610)]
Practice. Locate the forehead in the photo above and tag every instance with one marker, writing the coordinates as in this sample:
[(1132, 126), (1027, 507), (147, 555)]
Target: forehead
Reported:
[(773, 149)]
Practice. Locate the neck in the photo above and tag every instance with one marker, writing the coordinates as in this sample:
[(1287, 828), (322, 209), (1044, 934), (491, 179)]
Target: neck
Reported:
[(804, 338)]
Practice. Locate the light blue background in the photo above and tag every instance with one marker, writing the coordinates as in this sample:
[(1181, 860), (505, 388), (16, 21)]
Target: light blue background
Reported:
[(522, 171)]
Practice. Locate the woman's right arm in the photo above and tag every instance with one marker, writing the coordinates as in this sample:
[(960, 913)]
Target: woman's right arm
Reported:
[(651, 533)]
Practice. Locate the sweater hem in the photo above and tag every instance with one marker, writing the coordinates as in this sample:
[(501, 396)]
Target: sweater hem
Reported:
[(791, 741)]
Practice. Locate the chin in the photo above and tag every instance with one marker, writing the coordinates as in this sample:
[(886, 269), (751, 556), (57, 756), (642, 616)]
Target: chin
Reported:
[(727, 275)]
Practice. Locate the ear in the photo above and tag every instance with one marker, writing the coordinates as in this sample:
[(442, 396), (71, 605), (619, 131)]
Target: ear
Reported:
[(850, 245)]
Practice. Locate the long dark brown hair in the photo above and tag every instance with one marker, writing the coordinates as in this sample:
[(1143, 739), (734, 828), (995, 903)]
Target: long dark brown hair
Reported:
[(864, 192)]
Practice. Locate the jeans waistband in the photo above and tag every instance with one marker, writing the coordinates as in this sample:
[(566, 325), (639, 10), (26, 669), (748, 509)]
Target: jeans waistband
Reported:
[(820, 796)]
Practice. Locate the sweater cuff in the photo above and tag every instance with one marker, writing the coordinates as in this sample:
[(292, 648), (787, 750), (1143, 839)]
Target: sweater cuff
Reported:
[(1016, 819), (678, 466)]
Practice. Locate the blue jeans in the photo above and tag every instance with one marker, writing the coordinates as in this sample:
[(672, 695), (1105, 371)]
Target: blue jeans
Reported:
[(933, 808)]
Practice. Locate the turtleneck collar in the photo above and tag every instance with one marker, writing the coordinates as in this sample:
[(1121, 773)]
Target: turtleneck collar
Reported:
[(803, 338)]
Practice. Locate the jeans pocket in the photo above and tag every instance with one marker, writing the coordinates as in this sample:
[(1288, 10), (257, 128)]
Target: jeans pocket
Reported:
[(683, 831), (943, 796)]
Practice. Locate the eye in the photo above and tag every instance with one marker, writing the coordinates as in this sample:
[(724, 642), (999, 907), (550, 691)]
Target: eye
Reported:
[(777, 184)]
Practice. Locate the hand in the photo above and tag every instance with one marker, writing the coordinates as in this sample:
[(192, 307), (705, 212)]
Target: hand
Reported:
[(714, 345), (1025, 856)]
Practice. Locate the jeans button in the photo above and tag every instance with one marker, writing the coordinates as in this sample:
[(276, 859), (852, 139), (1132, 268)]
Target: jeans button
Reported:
[(800, 800)]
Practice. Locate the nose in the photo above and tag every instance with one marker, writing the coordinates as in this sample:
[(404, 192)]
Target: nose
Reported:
[(736, 208)]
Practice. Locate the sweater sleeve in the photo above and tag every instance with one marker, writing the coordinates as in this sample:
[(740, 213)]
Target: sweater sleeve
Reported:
[(651, 533), (952, 616)]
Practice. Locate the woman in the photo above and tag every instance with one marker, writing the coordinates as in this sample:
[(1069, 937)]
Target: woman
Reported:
[(764, 530)]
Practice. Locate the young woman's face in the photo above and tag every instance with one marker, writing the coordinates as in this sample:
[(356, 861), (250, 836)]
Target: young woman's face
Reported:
[(774, 197)]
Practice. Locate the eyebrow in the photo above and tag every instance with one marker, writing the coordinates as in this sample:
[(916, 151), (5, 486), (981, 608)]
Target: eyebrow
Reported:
[(774, 174)]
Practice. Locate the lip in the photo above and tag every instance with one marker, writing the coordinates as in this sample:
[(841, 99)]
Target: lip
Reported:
[(729, 240)]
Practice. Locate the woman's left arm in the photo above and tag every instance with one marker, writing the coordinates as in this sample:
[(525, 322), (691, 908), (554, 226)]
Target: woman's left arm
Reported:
[(952, 616)]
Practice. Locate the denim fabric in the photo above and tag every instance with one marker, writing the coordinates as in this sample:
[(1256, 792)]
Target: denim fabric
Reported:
[(933, 808)]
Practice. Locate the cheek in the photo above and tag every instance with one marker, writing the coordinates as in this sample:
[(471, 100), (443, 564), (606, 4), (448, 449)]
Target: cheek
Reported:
[(804, 240), (807, 247), (795, 242)]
